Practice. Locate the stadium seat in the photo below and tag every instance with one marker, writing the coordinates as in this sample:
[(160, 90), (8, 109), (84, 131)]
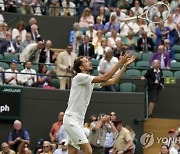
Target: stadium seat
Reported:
[(95, 72), (139, 56), (175, 66), (177, 57), (1, 57), (147, 56), (35, 67), (83, 30), (19, 67), (176, 48), (55, 82), (95, 63), (9, 57), (133, 73), (143, 72), (132, 65), (127, 87), (177, 74), (4, 65), (51, 68), (143, 65), (167, 73)]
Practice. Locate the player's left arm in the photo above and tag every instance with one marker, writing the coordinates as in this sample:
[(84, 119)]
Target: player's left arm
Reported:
[(115, 79)]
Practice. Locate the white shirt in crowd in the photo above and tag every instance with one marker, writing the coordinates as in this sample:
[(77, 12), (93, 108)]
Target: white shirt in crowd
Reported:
[(105, 66), (25, 77), (10, 75)]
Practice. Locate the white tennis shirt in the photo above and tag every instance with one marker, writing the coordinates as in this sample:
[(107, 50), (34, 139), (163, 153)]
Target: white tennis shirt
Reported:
[(80, 95)]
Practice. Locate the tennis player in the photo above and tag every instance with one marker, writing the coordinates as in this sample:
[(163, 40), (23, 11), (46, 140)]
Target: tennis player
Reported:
[(80, 94)]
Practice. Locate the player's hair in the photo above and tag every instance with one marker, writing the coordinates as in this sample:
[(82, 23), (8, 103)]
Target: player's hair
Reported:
[(77, 64)]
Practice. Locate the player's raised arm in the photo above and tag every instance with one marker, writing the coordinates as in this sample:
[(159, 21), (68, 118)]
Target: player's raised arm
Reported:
[(119, 74), (105, 77)]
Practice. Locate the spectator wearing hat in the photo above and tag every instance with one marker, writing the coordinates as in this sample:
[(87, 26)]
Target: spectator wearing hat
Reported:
[(18, 135), (172, 135), (6, 149), (123, 141), (91, 32), (11, 76), (32, 52), (98, 133)]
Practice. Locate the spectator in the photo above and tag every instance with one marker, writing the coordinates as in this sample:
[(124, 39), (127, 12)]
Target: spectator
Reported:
[(44, 78), (26, 42), (169, 50), (111, 42), (123, 141), (172, 138), (32, 52), (109, 141), (39, 8), (11, 76), (144, 43), (176, 15), (130, 41), (96, 4), (139, 26), (73, 32), (98, 133), (98, 24), (97, 39), (19, 31), (92, 118), (111, 25), (11, 6), (170, 23), (69, 8), (176, 147), (54, 7), (154, 77), (6, 149), (78, 40), (152, 27), (48, 148), (18, 135), (65, 64), (35, 33), (4, 30), (102, 15), (137, 9), (17, 44), (26, 6), (23, 148), (7, 44), (28, 78), (177, 35), (62, 140), (101, 50), (47, 56), (106, 64), (32, 21), (91, 32), (162, 57), (125, 27), (86, 49), (164, 149), (86, 18), (162, 33), (55, 128), (119, 15), (120, 49)]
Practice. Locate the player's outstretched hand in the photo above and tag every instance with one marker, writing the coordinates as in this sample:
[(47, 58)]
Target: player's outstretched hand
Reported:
[(124, 58), (131, 60)]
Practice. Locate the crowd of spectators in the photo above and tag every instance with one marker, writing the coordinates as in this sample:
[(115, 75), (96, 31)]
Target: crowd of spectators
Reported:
[(101, 28)]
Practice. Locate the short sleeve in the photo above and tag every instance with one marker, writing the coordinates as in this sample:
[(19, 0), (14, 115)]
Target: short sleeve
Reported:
[(127, 137), (84, 78)]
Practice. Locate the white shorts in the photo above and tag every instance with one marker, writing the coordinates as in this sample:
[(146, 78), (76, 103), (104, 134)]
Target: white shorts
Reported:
[(75, 129)]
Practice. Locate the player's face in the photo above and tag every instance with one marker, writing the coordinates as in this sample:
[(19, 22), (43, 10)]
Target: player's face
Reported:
[(86, 65)]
